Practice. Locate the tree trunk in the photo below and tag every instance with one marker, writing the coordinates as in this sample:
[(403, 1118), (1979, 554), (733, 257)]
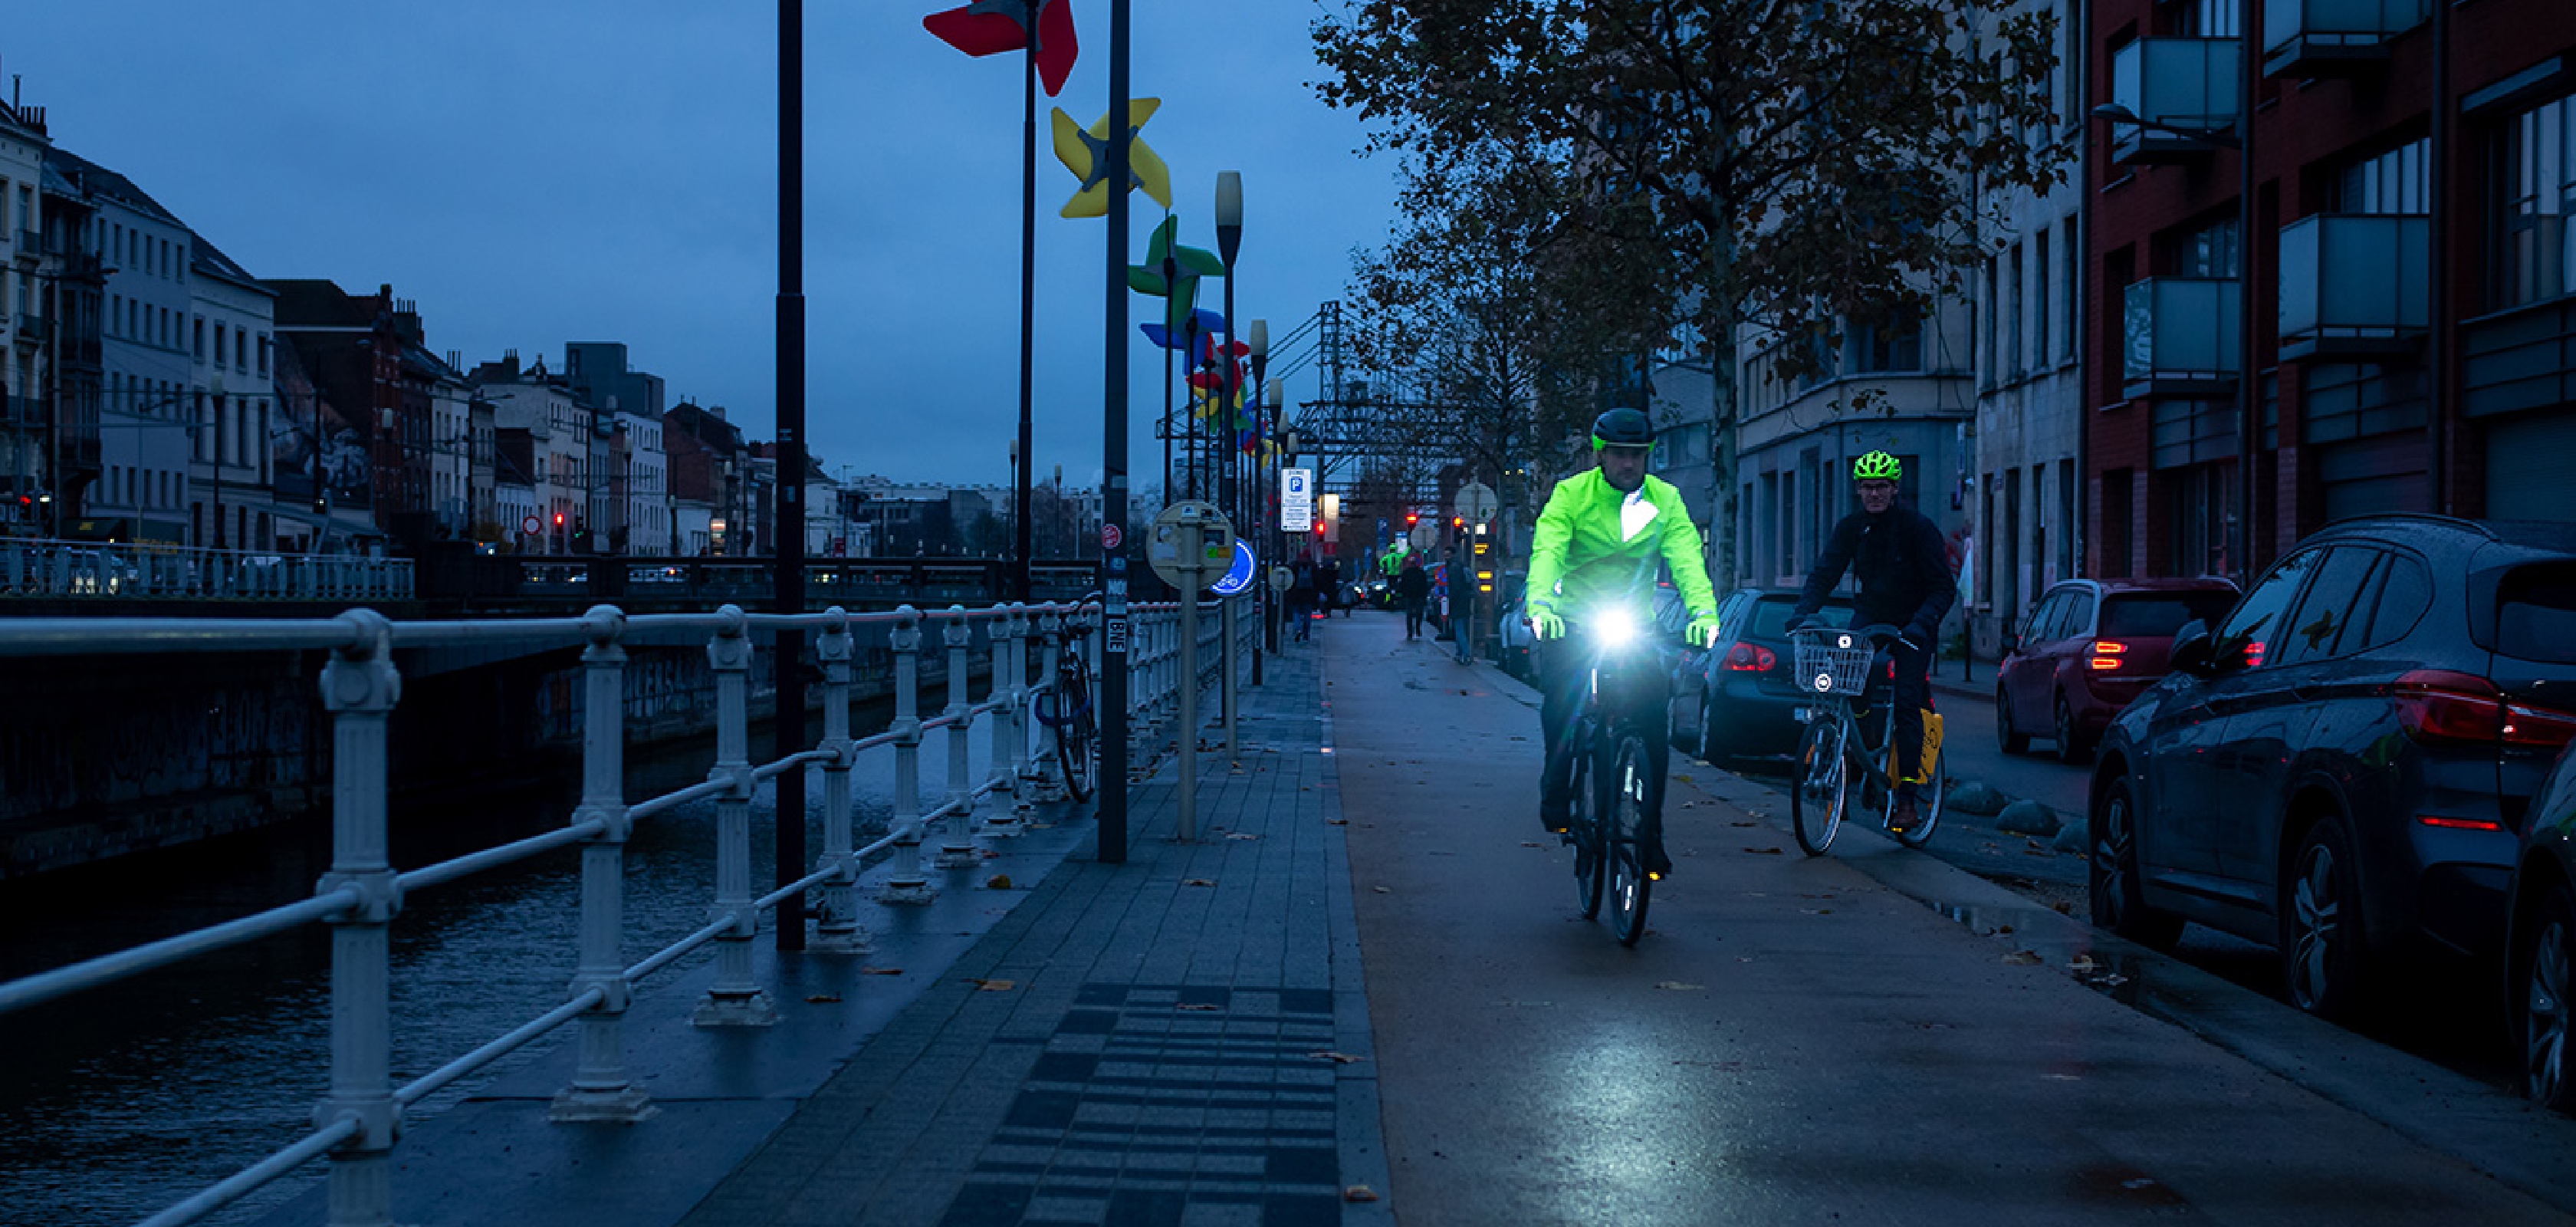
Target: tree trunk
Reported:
[(1718, 333)]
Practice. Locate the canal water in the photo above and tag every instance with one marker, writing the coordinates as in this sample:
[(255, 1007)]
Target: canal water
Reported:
[(119, 1102)]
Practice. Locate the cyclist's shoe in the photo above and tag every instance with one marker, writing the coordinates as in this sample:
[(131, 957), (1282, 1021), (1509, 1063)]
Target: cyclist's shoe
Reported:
[(1907, 814), (1658, 865), (1557, 817)]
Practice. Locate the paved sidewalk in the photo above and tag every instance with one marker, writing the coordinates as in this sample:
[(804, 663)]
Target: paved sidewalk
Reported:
[(1182, 1040)]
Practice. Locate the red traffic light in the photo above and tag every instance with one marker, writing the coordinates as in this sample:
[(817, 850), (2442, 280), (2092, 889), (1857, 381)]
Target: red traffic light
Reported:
[(558, 519), (1412, 518)]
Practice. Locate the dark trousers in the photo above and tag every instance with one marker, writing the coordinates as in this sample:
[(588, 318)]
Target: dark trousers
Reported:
[(1913, 694), (1301, 610), (1412, 616), (1565, 673)]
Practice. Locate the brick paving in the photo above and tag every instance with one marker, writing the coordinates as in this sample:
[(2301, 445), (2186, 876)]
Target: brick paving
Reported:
[(1183, 1039)]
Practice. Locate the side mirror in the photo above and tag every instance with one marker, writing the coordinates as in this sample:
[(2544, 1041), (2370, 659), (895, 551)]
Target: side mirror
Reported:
[(2011, 643), (2191, 650)]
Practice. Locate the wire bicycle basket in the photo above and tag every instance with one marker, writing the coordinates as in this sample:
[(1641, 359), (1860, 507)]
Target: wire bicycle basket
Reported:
[(1832, 661)]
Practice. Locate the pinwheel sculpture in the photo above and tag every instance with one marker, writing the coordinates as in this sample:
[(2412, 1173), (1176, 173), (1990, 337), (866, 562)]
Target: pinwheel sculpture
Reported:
[(991, 27), (1085, 152), (1172, 272)]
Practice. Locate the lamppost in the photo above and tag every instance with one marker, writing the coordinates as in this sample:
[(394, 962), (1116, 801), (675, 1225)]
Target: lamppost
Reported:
[(1254, 500), (2239, 136), (787, 732)]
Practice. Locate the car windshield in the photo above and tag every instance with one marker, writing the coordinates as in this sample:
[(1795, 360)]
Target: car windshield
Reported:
[(2536, 614), (2160, 614), (1771, 616)]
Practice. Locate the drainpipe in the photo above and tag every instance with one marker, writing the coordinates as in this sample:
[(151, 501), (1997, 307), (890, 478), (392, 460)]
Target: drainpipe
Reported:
[(2437, 356), (2249, 407)]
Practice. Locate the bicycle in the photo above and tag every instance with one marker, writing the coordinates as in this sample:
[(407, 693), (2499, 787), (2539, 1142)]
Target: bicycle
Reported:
[(1846, 671), (1066, 708), (1618, 793)]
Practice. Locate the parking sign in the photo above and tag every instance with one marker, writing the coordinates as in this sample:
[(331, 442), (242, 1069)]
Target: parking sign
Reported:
[(1297, 500)]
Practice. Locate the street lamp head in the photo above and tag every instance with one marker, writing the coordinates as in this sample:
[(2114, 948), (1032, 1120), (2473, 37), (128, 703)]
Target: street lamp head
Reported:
[(1259, 338), (1277, 396), (1229, 216)]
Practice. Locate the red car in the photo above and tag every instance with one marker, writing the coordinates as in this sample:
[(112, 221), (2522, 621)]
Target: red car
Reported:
[(2088, 648)]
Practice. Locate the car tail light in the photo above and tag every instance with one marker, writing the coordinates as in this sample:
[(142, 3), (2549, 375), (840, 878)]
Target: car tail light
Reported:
[(2438, 706), (1747, 658), (2107, 653), (2459, 824)]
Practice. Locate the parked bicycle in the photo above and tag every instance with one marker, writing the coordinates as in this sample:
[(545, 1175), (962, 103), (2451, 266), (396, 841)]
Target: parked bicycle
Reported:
[(1849, 675), (1066, 708), (1618, 784)]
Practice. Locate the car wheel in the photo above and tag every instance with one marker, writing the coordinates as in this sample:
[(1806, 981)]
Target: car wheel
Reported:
[(1707, 744), (2540, 977), (2010, 739), (2119, 901), (2073, 747), (2322, 939)]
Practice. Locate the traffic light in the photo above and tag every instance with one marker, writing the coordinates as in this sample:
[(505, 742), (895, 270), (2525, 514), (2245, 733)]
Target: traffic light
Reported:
[(558, 519), (1412, 518)]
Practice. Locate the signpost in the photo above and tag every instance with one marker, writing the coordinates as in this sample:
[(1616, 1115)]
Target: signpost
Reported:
[(1476, 502), (1190, 542), (1297, 500)]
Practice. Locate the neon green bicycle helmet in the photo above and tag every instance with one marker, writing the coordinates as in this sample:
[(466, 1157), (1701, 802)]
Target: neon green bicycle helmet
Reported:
[(1877, 466)]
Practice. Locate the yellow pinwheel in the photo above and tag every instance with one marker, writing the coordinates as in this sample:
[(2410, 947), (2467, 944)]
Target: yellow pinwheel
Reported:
[(1086, 154)]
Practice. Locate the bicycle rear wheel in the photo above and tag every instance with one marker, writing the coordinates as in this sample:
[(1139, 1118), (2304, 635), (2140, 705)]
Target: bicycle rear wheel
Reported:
[(1822, 786), (1586, 833), (1928, 807), (1634, 792), (1074, 740)]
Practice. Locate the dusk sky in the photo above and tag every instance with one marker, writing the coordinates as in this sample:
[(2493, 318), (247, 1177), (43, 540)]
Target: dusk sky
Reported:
[(577, 170)]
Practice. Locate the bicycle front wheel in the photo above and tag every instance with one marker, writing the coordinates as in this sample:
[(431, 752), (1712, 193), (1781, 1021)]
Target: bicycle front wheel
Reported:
[(1928, 805), (1822, 786), (1634, 793), (1075, 745)]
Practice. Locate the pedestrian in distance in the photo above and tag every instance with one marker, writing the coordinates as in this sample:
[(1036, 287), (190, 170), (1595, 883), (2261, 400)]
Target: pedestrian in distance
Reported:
[(1301, 595), (1413, 587), (1328, 585)]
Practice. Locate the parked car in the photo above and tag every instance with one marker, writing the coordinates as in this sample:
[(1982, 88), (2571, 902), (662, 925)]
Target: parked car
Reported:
[(1512, 640), (2344, 767), (1739, 699), (2540, 937), (2086, 649)]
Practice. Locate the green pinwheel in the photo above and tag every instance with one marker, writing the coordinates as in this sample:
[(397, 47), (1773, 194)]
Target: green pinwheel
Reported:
[(1188, 264)]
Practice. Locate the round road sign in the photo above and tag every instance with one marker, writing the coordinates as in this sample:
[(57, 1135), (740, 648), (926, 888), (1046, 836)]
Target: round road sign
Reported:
[(1110, 537), (1215, 539), (531, 525)]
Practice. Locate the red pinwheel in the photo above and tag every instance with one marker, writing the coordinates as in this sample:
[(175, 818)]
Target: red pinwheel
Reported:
[(991, 27)]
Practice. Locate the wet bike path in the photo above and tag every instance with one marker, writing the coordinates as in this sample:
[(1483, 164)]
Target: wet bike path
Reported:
[(1796, 1040)]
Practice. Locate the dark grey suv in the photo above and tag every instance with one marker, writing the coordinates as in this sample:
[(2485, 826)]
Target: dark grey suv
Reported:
[(2345, 766)]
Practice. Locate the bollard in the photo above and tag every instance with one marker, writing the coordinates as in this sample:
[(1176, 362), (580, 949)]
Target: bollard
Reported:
[(735, 999), (907, 883), (1185, 827), (360, 687), (1229, 618), (601, 1089), (1050, 764), (957, 837), (837, 929), (1001, 780)]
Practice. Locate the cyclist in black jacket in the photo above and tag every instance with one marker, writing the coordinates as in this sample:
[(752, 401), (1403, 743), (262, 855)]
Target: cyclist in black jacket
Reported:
[(1897, 555)]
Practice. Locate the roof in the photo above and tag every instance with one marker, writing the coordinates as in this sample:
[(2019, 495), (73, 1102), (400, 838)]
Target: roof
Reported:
[(106, 184), (318, 303), (204, 257)]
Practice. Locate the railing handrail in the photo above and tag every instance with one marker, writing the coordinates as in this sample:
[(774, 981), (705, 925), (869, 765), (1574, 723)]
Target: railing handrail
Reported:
[(363, 893)]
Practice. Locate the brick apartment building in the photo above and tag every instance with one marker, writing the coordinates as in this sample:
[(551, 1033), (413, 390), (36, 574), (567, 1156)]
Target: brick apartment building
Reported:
[(2412, 340)]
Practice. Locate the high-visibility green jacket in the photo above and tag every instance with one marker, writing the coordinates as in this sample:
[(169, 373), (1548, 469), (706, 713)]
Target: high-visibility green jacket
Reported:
[(1595, 545)]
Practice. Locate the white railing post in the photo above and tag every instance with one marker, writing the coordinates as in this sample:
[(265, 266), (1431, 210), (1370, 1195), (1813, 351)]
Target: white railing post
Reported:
[(735, 999), (1004, 816), (601, 1089), (907, 883), (1050, 764), (957, 839), (360, 687), (1023, 772), (838, 930)]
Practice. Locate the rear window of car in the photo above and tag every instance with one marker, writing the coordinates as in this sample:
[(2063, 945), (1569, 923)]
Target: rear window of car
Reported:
[(1771, 616), (2536, 614), (2160, 614)]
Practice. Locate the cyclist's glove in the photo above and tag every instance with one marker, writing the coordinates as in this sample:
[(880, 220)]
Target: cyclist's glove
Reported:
[(1545, 624), (1702, 631), (1801, 622)]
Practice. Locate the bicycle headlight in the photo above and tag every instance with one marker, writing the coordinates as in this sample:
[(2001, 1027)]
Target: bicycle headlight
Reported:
[(1616, 628)]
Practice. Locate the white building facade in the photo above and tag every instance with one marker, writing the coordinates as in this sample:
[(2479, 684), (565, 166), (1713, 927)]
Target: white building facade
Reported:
[(560, 429), (149, 402), (25, 469), (231, 498)]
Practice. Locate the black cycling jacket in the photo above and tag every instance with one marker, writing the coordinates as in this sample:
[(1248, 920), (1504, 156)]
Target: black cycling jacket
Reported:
[(1902, 565)]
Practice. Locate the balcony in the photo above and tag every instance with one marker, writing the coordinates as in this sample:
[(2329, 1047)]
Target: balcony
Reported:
[(2183, 83), (33, 329), (2180, 336), (2333, 38), (2355, 285), (31, 246)]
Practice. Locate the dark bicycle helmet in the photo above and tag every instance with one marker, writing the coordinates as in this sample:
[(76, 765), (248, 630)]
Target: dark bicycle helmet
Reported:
[(1622, 428)]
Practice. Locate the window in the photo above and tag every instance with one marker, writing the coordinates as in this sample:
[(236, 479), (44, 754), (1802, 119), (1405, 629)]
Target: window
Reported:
[(1895, 346), (2079, 615), (2539, 192), (1990, 364), (2040, 312), (2208, 252), (2070, 260), (2159, 615), (2012, 334), (2395, 182), (2212, 18), (2332, 604), (2250, 632), (197, 337), (241, 350), (2405, 592), (2035, 628), (263, 355)]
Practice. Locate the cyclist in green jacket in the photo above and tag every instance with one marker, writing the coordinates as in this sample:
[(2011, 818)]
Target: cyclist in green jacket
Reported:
[(1602, 540)]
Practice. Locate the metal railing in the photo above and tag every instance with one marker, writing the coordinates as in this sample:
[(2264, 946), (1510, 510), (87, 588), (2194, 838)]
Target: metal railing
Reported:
[(358, 1119), (107, 570)]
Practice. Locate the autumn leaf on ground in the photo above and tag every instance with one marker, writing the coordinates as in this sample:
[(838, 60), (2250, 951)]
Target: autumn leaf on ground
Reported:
[(1771, 851), (1197, 882), (2023, 958), (2083, 964), (1337, 1058), (1532, 843), (1194, 1005), (1379, 889), (999, 881), (1359, 1192), (1243, 835), (823, 998), (1679, 987), (1335, 822), (880, 971), (995, 986), (1744, 824)]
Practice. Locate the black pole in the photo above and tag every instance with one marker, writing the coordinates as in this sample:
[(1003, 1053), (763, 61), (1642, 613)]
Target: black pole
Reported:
[(2249, 398), (1114, 550), (787, 732), (1028, 306)]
